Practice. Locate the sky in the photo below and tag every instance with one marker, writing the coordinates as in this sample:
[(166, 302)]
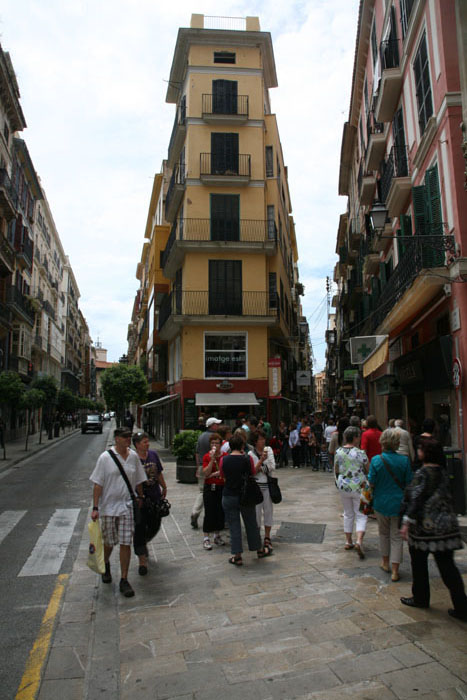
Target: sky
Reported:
[(93, 79)]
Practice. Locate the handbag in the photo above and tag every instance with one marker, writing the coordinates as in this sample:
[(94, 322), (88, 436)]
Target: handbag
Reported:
[(366, 499), (136, 509), (274, 488), (250, 492), (96, 548)]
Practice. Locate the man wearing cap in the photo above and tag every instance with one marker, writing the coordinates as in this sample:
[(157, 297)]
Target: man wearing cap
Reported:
[(112, 503), (202, 447)]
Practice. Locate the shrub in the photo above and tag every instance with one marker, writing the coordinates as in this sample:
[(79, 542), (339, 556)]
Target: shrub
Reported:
[(184, 444)]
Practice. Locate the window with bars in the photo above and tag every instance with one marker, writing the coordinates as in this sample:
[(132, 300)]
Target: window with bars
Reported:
[(269, 161), (272, 290), (421, 69)]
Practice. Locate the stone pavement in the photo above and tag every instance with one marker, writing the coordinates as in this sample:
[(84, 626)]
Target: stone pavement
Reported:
[(310, 622)]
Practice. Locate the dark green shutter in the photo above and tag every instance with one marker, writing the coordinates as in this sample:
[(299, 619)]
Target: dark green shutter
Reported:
[(225, 287), (225, 217), (419, 207), (432, 255), (224, 154), (382, 274), (224, 96), (404, 231)]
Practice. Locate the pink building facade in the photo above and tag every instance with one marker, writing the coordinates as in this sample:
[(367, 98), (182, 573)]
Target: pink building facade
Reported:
[(404, 274)]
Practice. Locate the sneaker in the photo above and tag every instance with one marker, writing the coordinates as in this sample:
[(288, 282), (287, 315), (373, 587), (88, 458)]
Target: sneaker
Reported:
[(107, 576), (218, 540), (126, 589), (194, 522), (207, 543), (142, 570)]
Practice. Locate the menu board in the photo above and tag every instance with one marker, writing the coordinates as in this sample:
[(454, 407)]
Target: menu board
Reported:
[(190, 414)]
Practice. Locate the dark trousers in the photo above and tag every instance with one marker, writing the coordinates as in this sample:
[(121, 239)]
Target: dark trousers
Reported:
[(305, 453), (449, 574), (213, 511), (233, 510), (296, 452), (283, 455)]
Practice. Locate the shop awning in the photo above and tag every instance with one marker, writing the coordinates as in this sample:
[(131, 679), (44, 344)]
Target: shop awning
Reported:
[(380, 356), (160, 402), (219, 399)]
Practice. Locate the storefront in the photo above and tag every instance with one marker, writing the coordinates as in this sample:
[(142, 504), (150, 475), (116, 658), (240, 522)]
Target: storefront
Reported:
[(161, 418)]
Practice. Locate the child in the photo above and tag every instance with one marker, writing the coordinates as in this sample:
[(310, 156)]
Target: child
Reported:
[(324, 457)]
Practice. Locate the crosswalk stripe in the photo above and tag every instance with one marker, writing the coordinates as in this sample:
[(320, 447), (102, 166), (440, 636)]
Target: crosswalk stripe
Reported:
[(49, 552), (8, 520)]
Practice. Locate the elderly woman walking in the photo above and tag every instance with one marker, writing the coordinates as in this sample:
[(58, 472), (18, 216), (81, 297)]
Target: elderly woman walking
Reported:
[(351, 468), (389, 474)]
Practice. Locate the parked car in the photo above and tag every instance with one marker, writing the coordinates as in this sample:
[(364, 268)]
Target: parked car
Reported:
[(93, 422), (112, 414), (106, 416)]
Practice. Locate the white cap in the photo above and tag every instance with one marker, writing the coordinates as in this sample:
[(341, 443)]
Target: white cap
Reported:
[(211, 421)]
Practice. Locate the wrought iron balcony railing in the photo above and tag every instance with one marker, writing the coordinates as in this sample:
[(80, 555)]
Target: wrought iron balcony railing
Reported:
[(180, 120), (395, 165), (205, 303), (220, 164), (389, 52), (372, 126), (215, 229), (17, 301), (178, 178), (7, 186), (213, 104)]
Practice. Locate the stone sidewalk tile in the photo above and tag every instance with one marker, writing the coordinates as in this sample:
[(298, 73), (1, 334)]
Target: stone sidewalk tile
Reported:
[(60, 689), (66, 662), (256, 667), (252, 690), (410, 655), (365, 666), (300, 684), (368, 690), (411, 682)]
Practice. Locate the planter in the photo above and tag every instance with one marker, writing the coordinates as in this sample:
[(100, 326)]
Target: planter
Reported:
[(186, 471)]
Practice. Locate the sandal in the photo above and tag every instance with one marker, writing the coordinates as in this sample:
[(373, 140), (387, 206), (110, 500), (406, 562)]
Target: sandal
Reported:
[(267, 543), (360, 551), (349, 546), (265, 552), (236, 560)]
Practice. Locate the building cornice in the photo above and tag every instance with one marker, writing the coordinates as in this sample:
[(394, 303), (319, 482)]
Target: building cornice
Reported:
[(9, 93)]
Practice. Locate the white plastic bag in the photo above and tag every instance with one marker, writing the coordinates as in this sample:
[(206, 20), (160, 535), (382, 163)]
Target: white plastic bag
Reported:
[(96, 548)]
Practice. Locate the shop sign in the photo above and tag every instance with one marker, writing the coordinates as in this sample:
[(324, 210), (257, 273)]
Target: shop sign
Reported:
[(456, 373), (225, 385), (275, 376), (350, 373), (190, 414), (361, 347), (303, 378), (274, 362), (386, 385)]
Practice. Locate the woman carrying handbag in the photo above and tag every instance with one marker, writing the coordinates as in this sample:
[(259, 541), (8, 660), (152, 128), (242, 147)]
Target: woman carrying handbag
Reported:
[(263, 459)]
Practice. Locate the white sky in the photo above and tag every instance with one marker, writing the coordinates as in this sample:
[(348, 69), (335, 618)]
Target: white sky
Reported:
[(92, 76)]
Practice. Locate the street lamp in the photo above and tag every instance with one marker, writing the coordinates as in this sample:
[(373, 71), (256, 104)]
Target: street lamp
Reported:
[(378, 215)]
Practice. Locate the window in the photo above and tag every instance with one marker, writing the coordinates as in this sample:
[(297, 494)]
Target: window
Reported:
[(422, 85), (272, 290), (400, 150), (224, 154), (225, 355), (374, 45), (225, 287), (269, 162), (271, 222), (225, 217), (224, 96), (6, 132), (406, 11), (428, 216), (224, 57)]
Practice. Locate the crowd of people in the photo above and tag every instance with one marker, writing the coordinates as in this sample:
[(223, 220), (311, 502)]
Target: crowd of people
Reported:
[(400, 478)]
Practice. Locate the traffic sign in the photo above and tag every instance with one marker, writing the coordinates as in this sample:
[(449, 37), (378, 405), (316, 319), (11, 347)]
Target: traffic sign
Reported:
[(456, 372)]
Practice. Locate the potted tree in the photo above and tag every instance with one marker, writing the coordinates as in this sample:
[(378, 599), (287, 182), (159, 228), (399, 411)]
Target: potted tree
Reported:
[(184, 449)]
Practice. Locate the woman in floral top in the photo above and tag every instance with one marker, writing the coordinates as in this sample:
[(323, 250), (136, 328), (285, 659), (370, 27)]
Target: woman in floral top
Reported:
[(351, 468)]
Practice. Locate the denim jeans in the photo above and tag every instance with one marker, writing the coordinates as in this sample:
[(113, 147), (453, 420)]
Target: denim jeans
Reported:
[(232, 510)]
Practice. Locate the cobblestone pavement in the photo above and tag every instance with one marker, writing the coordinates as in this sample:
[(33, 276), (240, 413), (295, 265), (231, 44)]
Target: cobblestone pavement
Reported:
[(310, 622)]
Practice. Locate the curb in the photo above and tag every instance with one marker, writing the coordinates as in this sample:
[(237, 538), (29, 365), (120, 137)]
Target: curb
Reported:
[(10, 462)]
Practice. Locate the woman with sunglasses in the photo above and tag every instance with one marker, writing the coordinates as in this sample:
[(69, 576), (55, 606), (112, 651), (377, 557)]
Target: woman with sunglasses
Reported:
[(154, 489)]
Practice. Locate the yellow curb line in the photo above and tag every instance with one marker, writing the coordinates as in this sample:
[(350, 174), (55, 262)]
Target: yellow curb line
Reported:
[(31, 679)]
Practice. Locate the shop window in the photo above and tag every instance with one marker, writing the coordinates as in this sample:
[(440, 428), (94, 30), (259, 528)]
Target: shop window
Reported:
[(225, 355)]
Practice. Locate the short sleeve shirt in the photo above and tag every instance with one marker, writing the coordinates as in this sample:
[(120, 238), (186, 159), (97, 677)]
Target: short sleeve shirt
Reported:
[(350, 463), (153, 467), (115, 499)]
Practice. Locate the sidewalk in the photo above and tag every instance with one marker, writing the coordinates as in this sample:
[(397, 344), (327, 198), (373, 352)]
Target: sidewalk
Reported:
[(16, 453), (310, 622)]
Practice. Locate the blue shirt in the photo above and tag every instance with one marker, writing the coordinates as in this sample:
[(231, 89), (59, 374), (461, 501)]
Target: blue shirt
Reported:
[(387, 496)]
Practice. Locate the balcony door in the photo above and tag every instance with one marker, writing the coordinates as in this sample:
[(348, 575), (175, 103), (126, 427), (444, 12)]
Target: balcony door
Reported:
[(225, 217), (224, 154), (225, 287), (224, 96), (400, 150)]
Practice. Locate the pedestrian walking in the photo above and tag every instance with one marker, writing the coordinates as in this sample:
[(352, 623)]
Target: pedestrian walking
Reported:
[(390, 473), (370, 438), (129, 420), (429, 524), (233, 468), (351, 468), (263, 460), (202, 446), (283, 436), (406, 447), (305, 432), (337, 438), (294, 444), (212, 493), (112, 502)]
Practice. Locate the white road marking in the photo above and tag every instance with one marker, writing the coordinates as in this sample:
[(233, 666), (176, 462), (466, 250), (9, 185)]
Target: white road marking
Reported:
[(49, 552), (168, 541), (8, 520), (183, 536)]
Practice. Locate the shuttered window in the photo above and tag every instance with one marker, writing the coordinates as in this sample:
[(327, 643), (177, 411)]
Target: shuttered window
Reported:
[(225, 217), (225, 287), (224, 96), (269, 162), (400, 150), (272, 290), (224, 154), (428, 216), (422, 85)]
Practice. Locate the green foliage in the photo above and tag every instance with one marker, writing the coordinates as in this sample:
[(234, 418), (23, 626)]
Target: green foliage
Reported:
[(67, 402), (48, 385), (11, 388), (184, 444), (123, 384), (34, 398), (99, 406)]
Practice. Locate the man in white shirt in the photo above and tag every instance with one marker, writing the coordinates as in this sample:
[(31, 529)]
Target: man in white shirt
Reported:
[(329, 430), (113, 503), (406, 445)]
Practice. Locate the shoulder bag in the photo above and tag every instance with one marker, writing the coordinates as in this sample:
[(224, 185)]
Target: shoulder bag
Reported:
[(391, 473), (274, 488), (136, 509), (250, 492)]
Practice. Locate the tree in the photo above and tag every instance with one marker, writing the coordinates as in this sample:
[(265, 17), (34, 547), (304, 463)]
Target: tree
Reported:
[(11, 390), (67, 402), (31, 400), (121, 385), (48, 385)]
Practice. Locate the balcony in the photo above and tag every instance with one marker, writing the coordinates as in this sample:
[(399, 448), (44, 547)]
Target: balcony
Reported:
[(217, 169), (224, 109), (369, 256), (48, 308), (8, 196), (214, 236), (175, 191), (7, 258), (377, 133), (24, 252), (355, 284), (182, 308), (19, 305), (354, 236), (391, 81), (396, 183), (177, 138), (22, 366), (366, 184), (416, 280)]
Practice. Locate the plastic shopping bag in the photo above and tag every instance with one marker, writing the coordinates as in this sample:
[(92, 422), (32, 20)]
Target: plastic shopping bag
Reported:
[(96, 548)]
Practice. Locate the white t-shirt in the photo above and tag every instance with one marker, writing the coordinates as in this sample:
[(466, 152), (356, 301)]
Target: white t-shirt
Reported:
[(225, 448), (330, 429), (115, 499), (269, 462)]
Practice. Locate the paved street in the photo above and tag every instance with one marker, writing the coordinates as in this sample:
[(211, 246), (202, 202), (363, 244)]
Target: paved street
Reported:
[(313, 621)]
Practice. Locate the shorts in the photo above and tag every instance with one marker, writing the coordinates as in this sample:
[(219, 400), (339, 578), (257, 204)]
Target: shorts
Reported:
[(117, 530)]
